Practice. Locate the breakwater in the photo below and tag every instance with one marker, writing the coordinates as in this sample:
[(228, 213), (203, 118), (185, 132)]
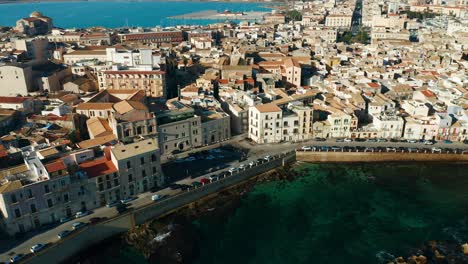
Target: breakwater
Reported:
[(93, 234)]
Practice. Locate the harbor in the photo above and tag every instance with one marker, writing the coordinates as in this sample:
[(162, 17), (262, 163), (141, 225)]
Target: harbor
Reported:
[(226, 15)]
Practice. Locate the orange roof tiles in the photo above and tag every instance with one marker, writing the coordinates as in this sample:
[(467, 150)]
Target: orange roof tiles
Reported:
[(98, 167), (55, 166)]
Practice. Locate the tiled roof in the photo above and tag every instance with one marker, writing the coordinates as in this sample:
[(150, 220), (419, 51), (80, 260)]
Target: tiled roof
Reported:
[(266, 108), (12, 100), (55, 166), (98, 167)]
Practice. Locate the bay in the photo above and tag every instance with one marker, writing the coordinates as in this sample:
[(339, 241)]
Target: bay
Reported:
[(112, 14)]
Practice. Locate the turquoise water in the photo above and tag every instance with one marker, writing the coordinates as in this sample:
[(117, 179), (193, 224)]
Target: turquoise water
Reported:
[(341, 214), (119, 13)]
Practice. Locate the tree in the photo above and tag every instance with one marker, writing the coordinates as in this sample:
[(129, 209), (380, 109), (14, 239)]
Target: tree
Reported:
[(293, 15)]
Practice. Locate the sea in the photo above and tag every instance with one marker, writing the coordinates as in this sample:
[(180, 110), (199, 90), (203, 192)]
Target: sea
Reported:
[(336, 213), (113, 14)]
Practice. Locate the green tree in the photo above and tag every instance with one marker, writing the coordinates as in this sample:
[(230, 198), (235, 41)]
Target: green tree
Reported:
[(293, 15)]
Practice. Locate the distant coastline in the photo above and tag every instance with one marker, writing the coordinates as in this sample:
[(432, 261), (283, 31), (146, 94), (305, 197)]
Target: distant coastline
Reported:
[(136, 1)]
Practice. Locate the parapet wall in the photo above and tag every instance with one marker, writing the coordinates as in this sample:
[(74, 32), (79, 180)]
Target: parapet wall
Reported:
[(310, 156)]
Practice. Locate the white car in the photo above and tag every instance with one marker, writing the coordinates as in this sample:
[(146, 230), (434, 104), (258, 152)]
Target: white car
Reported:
[(411, 140), (78, 225), (232, 170), (242, 167), (306, 148), (435, 149), (37, 248), (348, 140), (391, 149), (268, 158), (81, 214), (251, 164), (156, 197), (428, 142)]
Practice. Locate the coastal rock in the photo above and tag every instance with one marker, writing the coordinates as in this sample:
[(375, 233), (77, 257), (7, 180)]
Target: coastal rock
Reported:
[(417, 260)]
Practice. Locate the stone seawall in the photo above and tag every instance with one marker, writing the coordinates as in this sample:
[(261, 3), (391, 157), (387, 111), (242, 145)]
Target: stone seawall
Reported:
[(93, 234), (310, 156)]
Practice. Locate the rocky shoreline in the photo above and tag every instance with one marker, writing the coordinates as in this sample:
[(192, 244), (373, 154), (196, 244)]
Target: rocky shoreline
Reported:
[(436, 252)]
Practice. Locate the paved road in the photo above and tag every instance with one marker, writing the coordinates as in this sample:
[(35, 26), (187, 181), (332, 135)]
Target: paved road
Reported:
[(255, 152)]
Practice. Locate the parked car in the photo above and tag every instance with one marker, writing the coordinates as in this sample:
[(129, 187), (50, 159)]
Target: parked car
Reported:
[(360, 139), (184, 187), (320, 139), (196, 184), (174, 186), (252, 164), (369, 150), (411, 141), (65, 219), (63, 234), (121, 208), (335, 148), (388, 149), (37, 248), (306, 148), (78, 225), (16, 258), (82, 213), (428, 142), (372, 140), (156, 197), (436, 149), (448, 141), (204, 181), (382, 140), (412, 149), (348, 140), (213, 178), (96, 220), (268, 158), (128, 199), (112, 204), (233, 170), (340, 140)]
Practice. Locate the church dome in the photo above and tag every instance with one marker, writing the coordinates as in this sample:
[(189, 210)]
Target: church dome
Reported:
[(36, 14)]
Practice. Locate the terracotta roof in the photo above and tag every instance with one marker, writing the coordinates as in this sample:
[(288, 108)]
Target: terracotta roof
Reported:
[(55, 166), (267, 108), (98, 127), (98, 167), (90, 143), (223, 81), (134, 72), (13, 100), (373, 85), (127, 106), (428, 93)]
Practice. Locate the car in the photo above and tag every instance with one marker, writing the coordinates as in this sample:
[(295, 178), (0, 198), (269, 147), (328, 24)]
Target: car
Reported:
[(436, 149), (448, 141), (196, 184), (78, 225), (388, 149), (412, 149), (382, 140), (320, 139), (63, 234), (348, 140), (335, 148), (268, 158), (112, 204), (233, 170), (16, 258), (174, 186), (324, 148), (360, 139), (252, 163), (339, 140), (96, 220), (369, 150), (306, 148), (242, 167), (428, 142), (156, 197), (213, 178), (121, 208), (411, 141), (185, 187), (260, 161), (128, 199), (37, 248), (204, 181), (372, 140), (65, 219), (82, 213)]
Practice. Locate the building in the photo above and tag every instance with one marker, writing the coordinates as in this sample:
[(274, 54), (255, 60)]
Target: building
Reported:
[(158, 38), (150, 81), (35, 24), (138, 165), (16, 79)]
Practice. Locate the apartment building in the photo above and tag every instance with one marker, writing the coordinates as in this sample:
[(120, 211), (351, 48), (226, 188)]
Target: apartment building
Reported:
[(139, 166), (151, 81)]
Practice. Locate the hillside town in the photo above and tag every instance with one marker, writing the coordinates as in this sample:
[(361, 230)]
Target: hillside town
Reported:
[(88, 116)]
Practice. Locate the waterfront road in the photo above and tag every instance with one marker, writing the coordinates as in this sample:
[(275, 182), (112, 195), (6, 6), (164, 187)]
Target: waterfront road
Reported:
[(255, 152)]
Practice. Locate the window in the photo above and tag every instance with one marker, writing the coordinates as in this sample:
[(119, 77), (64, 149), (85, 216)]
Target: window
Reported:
[(33, 208), (109, 185), (17, 213), (143, 173), (65, 198), (46, 188), (154, 170), (129, 165), (13, 198), (107, 177), (50, 203), (142, 160), (101, 187), (130, 177), (30, 194), (153, 157), (116, 182)]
